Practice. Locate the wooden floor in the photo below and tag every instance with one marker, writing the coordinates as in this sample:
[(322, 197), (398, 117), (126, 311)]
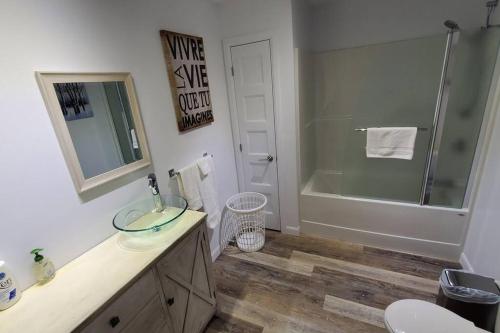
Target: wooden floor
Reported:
[(305, 284)]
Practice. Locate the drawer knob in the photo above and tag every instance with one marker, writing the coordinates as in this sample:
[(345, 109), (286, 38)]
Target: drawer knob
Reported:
[(170, 301), (114, 321)]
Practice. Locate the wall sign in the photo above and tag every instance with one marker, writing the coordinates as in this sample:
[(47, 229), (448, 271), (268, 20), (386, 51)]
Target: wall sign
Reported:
[(187, 73)]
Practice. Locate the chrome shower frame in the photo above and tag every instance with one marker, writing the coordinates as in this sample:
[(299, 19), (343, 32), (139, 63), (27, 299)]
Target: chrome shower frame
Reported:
[(439, 114)]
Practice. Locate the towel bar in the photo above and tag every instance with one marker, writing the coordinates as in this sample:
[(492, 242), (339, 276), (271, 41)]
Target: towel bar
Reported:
[(172, 173), (365, 129)]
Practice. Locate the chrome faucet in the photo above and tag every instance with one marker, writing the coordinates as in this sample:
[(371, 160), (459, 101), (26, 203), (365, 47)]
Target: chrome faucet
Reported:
[(153, 185)]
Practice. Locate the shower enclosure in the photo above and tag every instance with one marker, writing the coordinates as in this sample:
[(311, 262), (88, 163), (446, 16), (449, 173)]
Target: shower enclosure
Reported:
[(439, 84)]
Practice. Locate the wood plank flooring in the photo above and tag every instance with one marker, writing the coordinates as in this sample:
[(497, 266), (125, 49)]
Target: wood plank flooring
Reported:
[(303, 284)]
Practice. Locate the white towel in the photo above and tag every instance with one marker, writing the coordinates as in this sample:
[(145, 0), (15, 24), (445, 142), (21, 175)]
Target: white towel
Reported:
[(208, 191), (391, 142), (204, 165), (189, 185)]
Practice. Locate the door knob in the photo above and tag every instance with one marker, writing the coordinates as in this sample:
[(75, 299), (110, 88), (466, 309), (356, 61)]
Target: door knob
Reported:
[(269, 158)]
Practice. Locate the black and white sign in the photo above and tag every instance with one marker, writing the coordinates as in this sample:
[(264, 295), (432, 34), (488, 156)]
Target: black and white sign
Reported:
[(187, 73)]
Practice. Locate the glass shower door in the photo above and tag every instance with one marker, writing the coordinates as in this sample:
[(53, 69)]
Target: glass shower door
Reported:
[(475, 58), (399, 88)]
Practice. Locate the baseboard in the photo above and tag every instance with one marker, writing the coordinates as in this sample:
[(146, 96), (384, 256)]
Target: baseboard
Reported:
[(292, 230), (435, 249), (464, 261), (215, 253)]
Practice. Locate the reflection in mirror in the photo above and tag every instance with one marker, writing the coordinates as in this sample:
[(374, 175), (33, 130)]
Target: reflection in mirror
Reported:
[(100, 123)]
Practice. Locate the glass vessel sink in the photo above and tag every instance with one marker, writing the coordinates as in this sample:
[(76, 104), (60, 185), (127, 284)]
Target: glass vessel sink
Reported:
[(140, 218)]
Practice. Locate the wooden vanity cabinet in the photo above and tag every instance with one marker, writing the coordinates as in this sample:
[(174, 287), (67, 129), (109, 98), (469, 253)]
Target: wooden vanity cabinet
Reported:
[(175, 295)]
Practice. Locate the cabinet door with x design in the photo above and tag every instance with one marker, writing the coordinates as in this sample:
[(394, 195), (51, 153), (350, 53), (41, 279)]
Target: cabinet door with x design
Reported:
[(187, 283)]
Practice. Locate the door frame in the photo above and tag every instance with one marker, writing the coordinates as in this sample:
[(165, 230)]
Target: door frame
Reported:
[(242, 40)]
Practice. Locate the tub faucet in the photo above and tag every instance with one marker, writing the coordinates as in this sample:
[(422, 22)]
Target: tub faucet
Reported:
[(153, 185)]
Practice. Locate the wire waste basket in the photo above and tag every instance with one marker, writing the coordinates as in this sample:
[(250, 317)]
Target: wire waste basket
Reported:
[(243, 221)]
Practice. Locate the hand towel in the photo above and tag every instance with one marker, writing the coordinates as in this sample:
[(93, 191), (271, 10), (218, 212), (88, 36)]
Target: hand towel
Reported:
[(189, 185), (391, 142), (208, 191), (204, 166)]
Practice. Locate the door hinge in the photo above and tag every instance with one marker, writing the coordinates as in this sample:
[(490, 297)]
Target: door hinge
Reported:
[(241, 147), (232, 70)]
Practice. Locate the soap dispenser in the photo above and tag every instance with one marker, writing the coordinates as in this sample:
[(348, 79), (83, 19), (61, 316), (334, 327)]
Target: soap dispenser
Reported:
[(9, 291), (43, 268)]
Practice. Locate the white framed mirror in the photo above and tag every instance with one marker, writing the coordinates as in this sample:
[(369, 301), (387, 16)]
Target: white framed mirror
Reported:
[(98, 123)]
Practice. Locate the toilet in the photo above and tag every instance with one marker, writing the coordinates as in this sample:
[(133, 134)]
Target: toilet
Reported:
[(416, 316)]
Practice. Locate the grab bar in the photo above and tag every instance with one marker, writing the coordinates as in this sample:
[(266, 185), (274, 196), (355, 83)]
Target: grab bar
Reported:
[(365, 129)]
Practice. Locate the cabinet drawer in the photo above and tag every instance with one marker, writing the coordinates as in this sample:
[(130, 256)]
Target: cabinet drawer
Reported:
[(151, 319), (118, 314)]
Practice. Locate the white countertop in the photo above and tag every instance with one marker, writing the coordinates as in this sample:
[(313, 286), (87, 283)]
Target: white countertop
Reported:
[(86, 283)]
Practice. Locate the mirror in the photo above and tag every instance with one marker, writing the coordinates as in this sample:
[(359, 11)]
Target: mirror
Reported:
[(97, 121)]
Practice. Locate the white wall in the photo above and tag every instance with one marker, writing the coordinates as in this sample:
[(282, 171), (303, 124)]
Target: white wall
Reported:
[(349, 23), (482, 245), (305, 103), (39, 206), (244, 17), (302, 21)]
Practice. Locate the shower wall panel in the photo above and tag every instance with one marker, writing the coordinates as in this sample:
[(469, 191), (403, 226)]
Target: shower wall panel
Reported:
[(390, 84)]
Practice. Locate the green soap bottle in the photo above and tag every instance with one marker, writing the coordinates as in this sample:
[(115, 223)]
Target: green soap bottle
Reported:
[(43, 267)]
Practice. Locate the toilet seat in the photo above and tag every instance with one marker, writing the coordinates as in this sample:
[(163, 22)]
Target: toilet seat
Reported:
[(415, 316)]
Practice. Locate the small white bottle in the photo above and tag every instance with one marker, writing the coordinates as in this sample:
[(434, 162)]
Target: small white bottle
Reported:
[(9, 291), (42, 267)]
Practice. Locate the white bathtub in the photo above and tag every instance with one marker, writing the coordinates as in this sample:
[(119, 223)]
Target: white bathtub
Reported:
[(431, 231)]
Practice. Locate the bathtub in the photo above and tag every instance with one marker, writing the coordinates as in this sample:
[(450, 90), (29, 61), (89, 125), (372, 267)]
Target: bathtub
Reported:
[(425, 230)]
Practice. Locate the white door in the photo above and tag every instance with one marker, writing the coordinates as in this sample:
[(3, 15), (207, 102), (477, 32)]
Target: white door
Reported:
[(253, 90)]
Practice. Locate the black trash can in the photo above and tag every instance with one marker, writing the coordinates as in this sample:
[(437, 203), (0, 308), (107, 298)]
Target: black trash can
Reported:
[(471, 296)]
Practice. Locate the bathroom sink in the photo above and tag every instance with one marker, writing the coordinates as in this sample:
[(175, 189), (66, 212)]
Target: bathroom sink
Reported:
[(141, 219)]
